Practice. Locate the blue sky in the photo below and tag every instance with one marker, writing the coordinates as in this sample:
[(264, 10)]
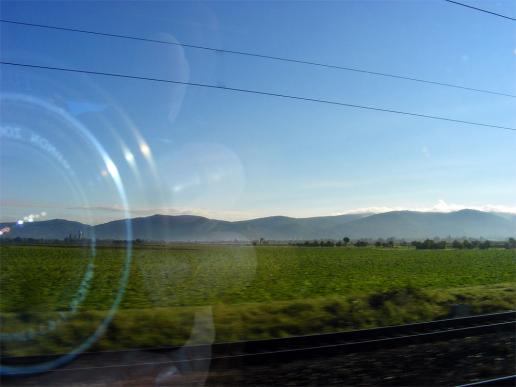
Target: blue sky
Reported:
[(181, 149)]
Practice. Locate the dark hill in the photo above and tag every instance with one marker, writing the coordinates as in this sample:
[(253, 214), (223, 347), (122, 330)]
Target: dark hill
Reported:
[(399, 224)]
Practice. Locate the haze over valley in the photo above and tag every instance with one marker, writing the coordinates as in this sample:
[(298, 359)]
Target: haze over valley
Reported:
[(409, 225)]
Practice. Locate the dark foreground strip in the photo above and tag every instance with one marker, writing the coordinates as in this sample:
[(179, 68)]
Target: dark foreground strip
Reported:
[(294, 342), (229, 355), (503, 381)]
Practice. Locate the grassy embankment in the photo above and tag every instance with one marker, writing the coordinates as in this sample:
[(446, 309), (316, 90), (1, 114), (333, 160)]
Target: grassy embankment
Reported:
[(253, 292)]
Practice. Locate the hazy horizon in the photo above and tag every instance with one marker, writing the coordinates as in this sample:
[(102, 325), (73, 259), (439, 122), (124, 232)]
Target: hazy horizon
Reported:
[(440, 207), (82, 147)]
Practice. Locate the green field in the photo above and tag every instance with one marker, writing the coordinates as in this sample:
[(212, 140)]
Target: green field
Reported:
[(253, 291)]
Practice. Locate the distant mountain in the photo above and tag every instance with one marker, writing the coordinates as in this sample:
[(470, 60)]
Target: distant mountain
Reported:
[(164, 227), (398, 224), (285, 228), (417, 225), (511, 217), (47, 229)]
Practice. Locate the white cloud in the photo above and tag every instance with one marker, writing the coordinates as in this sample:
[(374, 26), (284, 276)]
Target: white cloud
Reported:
[(104, 213), (136, 212), (440, 206)]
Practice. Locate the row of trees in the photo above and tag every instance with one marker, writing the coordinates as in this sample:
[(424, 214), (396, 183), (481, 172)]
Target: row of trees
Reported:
[(346, 242), (429, 244), (464, 244), (511, 243)]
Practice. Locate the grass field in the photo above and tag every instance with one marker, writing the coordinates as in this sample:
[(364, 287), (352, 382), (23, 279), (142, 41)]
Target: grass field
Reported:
[(254, 292)]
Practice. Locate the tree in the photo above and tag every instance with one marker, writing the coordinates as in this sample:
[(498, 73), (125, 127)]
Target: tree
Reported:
[(345, 240), (440, 245), (485, 245), (511, 243), (457, 244), (389, 243), (430, 244)]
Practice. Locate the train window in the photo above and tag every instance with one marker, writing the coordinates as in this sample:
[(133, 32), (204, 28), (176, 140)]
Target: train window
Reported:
[(269, 193)]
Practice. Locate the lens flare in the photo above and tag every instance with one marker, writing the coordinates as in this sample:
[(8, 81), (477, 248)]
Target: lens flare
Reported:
[(112, 169), (129, 157), (145, 150), (25, 137)]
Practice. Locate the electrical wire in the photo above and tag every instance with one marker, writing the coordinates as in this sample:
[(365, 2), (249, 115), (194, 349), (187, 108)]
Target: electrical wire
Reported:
[(261, 56), (480, 9), (257, 92)]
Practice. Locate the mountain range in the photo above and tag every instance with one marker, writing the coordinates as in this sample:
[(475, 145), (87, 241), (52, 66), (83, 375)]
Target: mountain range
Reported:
[(399, 224)]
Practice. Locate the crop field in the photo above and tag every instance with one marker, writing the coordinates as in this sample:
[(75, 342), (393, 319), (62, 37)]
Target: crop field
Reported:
[(52, 297)]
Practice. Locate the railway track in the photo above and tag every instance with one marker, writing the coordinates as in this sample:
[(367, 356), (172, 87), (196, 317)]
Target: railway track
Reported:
[(233, 354)]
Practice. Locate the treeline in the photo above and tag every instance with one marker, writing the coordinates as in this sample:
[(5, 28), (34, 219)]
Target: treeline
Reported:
[(430, 244), (66, 241), (391, 242), (19, 240), (427, 244)]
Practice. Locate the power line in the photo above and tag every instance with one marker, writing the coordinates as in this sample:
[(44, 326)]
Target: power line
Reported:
[(258, 92), (262, 56), (480, 9)]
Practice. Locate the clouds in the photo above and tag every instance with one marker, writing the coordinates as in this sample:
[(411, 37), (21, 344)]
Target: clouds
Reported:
[(105, 213), (114, 212), (440, 206)]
